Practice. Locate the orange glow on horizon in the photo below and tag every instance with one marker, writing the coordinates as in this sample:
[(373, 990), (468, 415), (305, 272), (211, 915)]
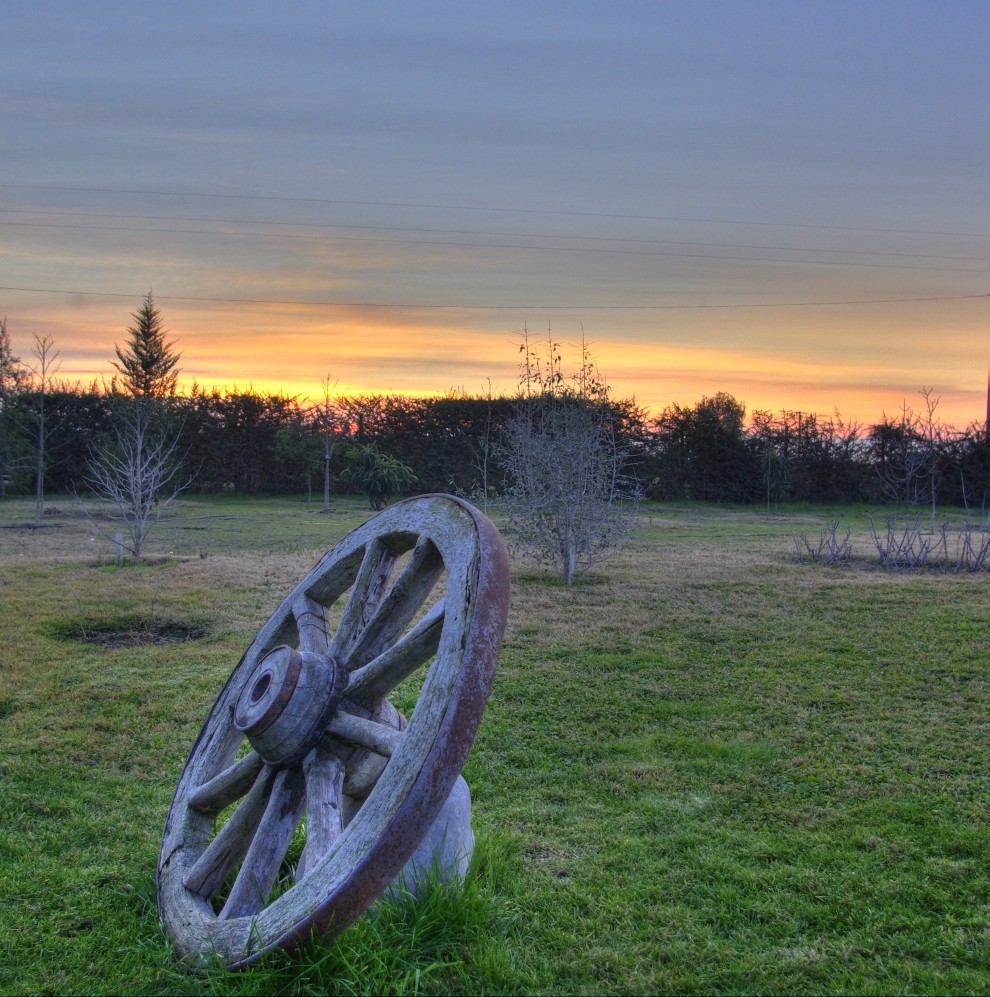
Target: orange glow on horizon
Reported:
[(818, 365)]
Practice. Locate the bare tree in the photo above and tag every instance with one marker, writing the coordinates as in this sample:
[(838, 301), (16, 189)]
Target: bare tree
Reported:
[(40, 380), (569, 501), (330, 423), (934, 436), (898, 456), (482, 449), (828, 548), (910, 454), (138, 473)]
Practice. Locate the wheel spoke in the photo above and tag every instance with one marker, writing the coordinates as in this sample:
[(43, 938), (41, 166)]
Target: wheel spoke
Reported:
[(229, 785), (364, 767), (324, 772), (311, 623), (399, 606), (368, 589), (376, 679), (259, 869), (375, 737), (231, 842)]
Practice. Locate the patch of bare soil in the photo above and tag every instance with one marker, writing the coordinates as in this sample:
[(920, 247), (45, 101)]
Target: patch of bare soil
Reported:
[(131, 632), (160, 633), (30, 526)]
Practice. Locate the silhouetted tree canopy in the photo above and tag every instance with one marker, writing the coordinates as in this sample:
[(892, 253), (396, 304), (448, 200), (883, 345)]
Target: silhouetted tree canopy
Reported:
[(250, 442)]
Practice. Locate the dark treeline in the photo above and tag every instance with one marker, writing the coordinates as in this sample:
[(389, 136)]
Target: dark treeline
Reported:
[(246, 442)]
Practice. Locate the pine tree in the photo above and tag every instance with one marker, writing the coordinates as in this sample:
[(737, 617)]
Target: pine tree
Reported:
[(147, 365), (11, 371)]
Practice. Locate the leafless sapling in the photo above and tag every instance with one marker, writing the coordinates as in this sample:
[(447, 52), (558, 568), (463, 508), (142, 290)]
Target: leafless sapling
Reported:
[(330, 422), (40, 382), (137, 472), (569, 500)]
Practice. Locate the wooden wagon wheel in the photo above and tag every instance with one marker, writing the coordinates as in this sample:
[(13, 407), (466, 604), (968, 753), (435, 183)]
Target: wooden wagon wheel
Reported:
[(303, 725)]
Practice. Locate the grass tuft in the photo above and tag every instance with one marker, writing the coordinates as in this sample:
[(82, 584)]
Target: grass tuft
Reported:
[(439, 939)]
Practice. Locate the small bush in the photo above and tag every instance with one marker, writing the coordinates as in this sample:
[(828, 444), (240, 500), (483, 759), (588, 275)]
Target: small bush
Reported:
[(829, 549), (972, 549), (902, 545)]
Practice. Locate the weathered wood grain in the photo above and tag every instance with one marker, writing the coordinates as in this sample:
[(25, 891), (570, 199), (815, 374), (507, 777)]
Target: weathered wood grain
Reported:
[(381, 675), (258, 871), (393, 613), (232, 842), (365, 733), (311, 624), (229, 785), (324, 775), (369, 588)]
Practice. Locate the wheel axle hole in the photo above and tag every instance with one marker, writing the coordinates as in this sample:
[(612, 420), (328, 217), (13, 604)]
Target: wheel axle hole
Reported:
[(261, 687)]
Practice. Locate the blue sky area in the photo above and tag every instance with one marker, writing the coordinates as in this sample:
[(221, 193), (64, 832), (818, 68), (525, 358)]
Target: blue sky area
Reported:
[(787, 201)]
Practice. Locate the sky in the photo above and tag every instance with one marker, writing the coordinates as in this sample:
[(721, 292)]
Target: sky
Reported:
[(786, 201)]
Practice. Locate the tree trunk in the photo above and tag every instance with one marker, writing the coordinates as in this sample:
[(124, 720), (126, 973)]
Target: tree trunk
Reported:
[(568, 562), (39, 483)]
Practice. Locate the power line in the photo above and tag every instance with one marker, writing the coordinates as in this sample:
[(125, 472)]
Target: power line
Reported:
[(331, 226), (298, 302), (451, 244), (488, 209)]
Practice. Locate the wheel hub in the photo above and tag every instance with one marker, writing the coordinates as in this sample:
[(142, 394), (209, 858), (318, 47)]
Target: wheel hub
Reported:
[(287, 701)]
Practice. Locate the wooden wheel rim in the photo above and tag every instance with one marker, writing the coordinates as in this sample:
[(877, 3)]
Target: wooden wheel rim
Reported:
[(426, 761)]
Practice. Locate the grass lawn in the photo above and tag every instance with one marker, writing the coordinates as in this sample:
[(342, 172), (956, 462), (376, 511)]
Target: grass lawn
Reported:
[(706, 768)]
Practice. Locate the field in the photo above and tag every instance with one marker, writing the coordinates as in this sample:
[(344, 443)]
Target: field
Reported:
[(705, 768)]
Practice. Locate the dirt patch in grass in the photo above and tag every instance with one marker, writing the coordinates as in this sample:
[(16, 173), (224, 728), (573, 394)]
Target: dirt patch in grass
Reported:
[(129, 631), (30, 526)]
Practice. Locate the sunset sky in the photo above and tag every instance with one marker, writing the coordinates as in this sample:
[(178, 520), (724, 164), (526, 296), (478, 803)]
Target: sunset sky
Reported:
[(786, 201)]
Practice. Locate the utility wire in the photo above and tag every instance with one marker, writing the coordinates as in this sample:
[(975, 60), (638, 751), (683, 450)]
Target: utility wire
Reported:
[(486, 209), (297, 302), (451, 244), (333, 227)]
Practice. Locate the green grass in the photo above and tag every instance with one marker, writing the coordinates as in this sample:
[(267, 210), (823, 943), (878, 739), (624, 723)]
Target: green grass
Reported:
[(707, 768)]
